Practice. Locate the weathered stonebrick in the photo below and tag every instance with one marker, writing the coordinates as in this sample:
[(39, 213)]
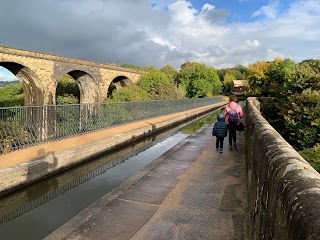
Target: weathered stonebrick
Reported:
[(40, 74)]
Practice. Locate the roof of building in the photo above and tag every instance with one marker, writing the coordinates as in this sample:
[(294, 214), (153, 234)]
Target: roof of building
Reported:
[(239, 83)]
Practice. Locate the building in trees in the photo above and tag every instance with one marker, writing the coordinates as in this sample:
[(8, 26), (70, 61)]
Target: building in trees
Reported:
[(238, 87)]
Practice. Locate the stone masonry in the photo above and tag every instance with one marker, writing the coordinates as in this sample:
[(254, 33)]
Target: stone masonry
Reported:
[(40, 73)]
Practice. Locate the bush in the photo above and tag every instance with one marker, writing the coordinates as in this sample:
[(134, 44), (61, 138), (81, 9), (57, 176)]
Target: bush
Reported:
[(129, 94), (312, 156), (67, 99)]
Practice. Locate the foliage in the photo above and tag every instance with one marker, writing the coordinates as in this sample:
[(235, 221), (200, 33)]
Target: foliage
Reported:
[(67, 99), (199, 80), (11, 95), (152, 79), (132, 93), (302, 118), (227, 81), (67, 91), (170, 72), (296, 113), (164, 91), (145, 68), (256, 76), (312, 156), (18, 136), (277, 75)]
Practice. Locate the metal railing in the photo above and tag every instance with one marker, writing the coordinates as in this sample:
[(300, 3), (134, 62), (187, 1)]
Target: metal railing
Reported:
[(30, 125)]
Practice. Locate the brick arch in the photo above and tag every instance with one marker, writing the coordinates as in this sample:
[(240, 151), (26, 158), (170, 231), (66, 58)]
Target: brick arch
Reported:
[(119, 82), (32, 86), (89, 91)]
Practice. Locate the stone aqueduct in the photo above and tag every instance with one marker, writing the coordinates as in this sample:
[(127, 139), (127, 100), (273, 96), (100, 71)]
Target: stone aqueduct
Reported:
[(40, 73)]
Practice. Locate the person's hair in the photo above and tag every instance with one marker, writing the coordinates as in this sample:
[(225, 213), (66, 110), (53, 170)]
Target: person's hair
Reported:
[(233, 98)]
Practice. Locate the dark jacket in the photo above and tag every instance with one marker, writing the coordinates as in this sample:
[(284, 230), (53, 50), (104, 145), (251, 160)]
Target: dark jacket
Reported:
[(220, 128)]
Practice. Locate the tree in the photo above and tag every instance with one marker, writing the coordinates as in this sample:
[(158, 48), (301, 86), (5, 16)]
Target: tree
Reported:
[(227, 81), (11, 95), (164, 91), (199, 80), (151, 79), (170, 72), (67, 91), (301, 105), (128, 94), (257, 77)]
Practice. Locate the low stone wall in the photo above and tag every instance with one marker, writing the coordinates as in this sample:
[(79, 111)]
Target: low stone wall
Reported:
[(283, 189)]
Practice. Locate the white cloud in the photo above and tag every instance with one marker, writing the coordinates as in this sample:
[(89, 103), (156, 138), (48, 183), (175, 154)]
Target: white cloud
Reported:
[(6, 76), (270, 11), (159, 32)]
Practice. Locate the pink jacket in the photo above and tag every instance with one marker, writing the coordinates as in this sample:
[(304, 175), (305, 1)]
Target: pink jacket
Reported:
[(232, 105)]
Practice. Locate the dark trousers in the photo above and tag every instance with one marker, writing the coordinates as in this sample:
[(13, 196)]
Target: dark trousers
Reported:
[(219, 142), (232, 133)]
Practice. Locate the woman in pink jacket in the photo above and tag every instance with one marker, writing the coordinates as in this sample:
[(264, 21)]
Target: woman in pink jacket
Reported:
[(232, 114)]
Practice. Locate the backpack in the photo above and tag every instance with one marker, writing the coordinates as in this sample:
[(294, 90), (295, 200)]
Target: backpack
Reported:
[(233, 116)]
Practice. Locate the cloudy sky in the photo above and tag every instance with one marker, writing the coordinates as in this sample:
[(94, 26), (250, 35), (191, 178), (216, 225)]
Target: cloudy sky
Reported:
[(219, 33)]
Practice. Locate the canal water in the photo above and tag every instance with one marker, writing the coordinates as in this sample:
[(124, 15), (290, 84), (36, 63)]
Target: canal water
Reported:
[(37, 210)]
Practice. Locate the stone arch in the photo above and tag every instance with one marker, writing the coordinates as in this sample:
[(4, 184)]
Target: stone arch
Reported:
[(118, 83), (89, 92), (32, 87)]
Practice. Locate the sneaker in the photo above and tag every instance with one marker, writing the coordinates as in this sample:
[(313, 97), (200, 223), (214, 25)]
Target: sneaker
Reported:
[(221, 150), (230, 148), (217, 149), (235, 146)]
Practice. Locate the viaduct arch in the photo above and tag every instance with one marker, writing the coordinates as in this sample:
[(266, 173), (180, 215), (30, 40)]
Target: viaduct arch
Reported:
[(40, 73)]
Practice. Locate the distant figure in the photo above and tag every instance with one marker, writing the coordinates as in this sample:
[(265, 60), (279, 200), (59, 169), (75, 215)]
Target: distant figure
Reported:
[(232, 114), (220, 130)]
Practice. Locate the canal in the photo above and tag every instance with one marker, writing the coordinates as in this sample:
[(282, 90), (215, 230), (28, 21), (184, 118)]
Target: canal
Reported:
[(35, 211)]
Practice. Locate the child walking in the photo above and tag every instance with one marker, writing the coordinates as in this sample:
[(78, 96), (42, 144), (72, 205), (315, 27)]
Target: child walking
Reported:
[(220, 130)]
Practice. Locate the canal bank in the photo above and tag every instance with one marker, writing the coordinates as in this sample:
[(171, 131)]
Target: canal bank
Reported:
[(28, 165), (190, 192)]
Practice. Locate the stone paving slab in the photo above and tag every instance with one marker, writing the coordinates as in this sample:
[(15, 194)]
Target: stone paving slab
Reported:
[(150, 189), (118, 220)]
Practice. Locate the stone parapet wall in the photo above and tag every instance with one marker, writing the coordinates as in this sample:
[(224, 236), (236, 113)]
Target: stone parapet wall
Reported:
[(283, 189)]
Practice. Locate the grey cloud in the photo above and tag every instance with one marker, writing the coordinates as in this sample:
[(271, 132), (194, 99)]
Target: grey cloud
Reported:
[(120, 32), (214, 15)]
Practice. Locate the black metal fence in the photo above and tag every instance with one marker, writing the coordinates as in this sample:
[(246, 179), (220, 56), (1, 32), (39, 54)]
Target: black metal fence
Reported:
[(30, 125)]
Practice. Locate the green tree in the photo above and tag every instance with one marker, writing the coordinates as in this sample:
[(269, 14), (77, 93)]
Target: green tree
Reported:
[(170, 72), (300, 100), (227, 81), (151, 79), (67, 99), (296, 112), (279, 71), (11, 95), (128, 94), (199, 80), (164, 91), (67, 91)]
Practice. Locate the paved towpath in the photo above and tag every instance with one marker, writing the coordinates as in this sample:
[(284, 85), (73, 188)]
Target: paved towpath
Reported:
[(190, 192)]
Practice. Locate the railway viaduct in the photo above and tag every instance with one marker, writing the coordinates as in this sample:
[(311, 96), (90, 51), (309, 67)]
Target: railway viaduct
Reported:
[(40, 74)]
